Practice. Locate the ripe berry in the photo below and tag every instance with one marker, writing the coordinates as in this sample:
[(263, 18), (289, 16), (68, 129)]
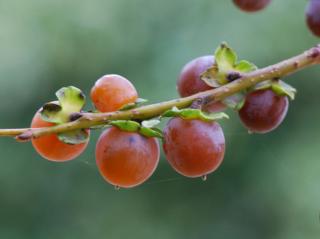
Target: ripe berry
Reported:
[(313, 16), (126, 159), (193, 148), (112, 92), (263, 111), (50, 147), (190, 83), (251, 5)]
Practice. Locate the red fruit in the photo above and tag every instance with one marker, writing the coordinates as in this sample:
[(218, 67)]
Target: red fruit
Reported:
[(126, 159), (190, 83), (313, 16), (112, 92), (214, 107), (263, 111), (50, 147), (251, 5), (193, 148)]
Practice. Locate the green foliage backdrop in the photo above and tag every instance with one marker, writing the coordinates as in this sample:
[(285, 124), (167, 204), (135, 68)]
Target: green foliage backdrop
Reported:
[(268, 185)]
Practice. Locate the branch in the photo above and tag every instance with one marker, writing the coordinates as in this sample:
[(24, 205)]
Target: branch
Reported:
[(87, 120)]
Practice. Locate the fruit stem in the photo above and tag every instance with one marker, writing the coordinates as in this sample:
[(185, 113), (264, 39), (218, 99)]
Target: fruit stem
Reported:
[(87, 120)]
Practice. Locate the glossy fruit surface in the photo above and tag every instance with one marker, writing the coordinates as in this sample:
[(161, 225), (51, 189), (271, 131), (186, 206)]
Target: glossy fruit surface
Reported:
[(190, 83), (126, 159), (251, 5), (193, 148), (112, 92), (313, 16), (263, 111), (214, 107), (50, 147)]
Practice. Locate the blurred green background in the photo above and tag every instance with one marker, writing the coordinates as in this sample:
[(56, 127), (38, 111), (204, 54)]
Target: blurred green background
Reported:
[(268, 185)]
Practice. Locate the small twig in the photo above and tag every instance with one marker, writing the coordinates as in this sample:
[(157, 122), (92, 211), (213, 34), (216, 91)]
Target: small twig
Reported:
[(87, 120)]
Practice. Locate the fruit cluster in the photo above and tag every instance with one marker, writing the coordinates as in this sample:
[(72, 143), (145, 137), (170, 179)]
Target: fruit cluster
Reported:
[(127, 152), (312, 11)]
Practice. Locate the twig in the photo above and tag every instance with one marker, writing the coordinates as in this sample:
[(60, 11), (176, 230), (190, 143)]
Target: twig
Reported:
[(279, 70)]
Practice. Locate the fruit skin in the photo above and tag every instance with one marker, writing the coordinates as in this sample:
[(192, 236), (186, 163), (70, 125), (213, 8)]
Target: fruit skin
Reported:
[(50, 147), (194, 148), (263, 111), (251, 5), (190, 83), (126, 159), (112, 92), (313, 16)]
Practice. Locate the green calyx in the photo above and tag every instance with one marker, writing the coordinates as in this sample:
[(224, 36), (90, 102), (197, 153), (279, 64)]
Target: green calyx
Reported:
[(226, 67), (277, 86), (235, 101), (74, 137), (134, 105), (192, 114), (70, 100), (146, 128)]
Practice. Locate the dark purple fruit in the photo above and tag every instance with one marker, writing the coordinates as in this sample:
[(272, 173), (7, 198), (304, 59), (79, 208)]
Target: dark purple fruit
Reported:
[(251, 5), (190, 83), (313, 16), (263, 111)]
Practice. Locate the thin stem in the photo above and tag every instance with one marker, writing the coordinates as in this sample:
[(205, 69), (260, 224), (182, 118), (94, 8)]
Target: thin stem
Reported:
[(279, 70)]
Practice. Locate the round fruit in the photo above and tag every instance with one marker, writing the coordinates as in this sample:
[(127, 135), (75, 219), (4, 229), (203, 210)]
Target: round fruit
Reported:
[(313, 16), (190, 83), (194, 148), (126, 159), (50, 147), (251, 5), (112, 92), (263, 111)]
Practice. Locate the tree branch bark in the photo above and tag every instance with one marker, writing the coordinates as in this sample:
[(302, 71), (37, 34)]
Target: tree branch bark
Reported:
[(279, 70)]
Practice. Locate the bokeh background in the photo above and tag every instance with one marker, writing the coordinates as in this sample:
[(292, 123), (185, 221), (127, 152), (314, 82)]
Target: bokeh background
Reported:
[(268, 185)]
